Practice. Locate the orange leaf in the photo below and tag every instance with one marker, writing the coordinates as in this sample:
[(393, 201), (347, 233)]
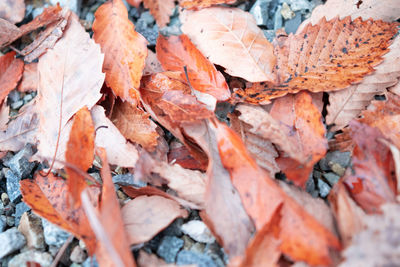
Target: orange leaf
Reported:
[(80, 152), (161, 10), (177, 52), (194, 4), (11, 69), (135, 125), (125, 50), (328, 56), (372, 181), (302, 237), (225, 35), (48, 197)]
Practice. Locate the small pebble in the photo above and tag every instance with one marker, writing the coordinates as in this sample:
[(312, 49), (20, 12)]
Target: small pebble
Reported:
[(78, 255), (286, 12), (31, 227), (17, 104), (11, 241), (3, 223), (53, 235), (190, 257), (331, 177), (10, 221), (5, 199), (260, 11), (169, 247), (198, 231), (22, 259), (278, 23), (324, 188)]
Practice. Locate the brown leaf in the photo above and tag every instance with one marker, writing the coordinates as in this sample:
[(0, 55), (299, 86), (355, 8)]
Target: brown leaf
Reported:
[(135, 125), (73, 64), (119, 151), (11, 69), (79, 153), (161, 10), (328, 56), (144, 217), (179, 154), (30, 79), (346, 105), (225, 34), (125, 50), (177, 52), (372, 181), (8, 32), (13, 11)]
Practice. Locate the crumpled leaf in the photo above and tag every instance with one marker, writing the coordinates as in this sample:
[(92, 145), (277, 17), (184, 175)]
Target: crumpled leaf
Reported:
[(125, 50), (179, 154), (328, 56), (346, 105), (11, 70), (302, 237), (79, 153), (13, 11), (119, 151), (144, 217), (30, 79), (161, 10), (48, 197), (225, 34), (371, 180), (177, 52), (135, 125), (197, 4), (72, 65)]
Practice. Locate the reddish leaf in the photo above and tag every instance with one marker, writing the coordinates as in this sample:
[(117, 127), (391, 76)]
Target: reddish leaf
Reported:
[(161, 10), (179, 154), (125, 50), (328, 56), (177, 52), (29, 81), (302, 237), (135, 3), (79, 153), (8, 32), (372, 180), (48, 197), (194, 4), (11, 69), (135, 125)]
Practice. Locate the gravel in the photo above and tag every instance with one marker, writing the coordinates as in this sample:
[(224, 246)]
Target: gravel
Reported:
[(186, 257), (53, 235), (11, 241), (169, 248)]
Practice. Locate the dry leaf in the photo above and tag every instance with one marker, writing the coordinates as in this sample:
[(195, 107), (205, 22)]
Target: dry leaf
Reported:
[(73, 64), (152, 65), (13, 11), (144, 217), (8, 32), (135, 125), (161, 10), (328, 56), (225, 34), (119, 151), (11, 69), (346, 105), (179, 154), (125, 50), (30, 79), (177, 52), (135, 3), (151, 260), (197, 4)]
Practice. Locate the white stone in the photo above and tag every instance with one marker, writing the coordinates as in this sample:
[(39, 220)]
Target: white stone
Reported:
[(21, 260), (198, 231), (11, 241)]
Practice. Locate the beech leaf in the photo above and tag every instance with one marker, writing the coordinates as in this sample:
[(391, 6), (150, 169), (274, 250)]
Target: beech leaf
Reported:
[(197, 4), (30, 79), (11, 70), (161, 10)]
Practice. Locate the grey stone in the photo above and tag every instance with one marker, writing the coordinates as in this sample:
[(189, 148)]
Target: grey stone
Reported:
[(11, 241), (2, 210), (331, 177), (27, 98), (278, 22), (341, 158), (74, 5), (14, 96), (198, 231), (150, 34), (188, 242), (186, 257), (127, 179), (20, 164), (324, 188), (310, 186), (10, 221), (134, 13), (293, 24), (260, 11), (31, 227), (300, 5), (78, 255), (3, 223), (20, 208), (323, 165), (174, 229), (53, 235), (22, 259), (269, 34), (147, 18), (17, 104), (5, 199), (89, 17), (169, 247), (12, 183), (198, 247), (90, 262)]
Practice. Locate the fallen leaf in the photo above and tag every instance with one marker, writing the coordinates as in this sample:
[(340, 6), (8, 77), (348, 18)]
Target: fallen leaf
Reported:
[(195, 4), (73, 64), (79, 153), (135, 125), (224, 35), (8, 32), (346, 105), (125, 50), (177, 52), (151, 260), (161, 10), (135, 3), (30, 79), (328, 56), (179, 154), (13, 11), (48, 197), (119, 151), (11, 70), (4, 117), (152, 65), (371, 180), (144, 217)]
